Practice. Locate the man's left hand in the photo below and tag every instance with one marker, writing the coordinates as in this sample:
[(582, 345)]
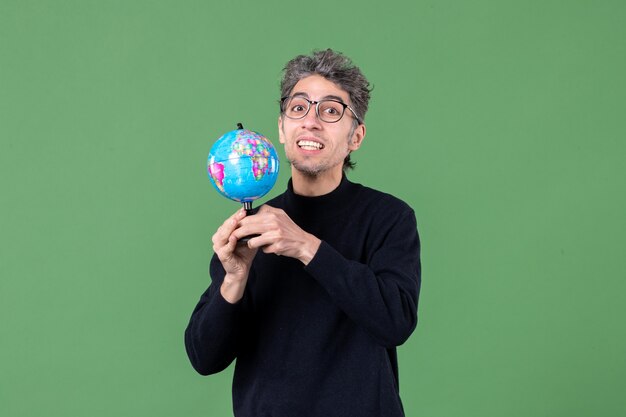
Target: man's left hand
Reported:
[(278, 235)]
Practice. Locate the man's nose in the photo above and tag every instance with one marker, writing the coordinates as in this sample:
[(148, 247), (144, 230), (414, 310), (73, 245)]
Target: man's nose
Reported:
[(311, 119)]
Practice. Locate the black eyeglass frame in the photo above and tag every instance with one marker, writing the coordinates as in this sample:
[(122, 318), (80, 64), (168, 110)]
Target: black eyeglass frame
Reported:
[(317, 108)]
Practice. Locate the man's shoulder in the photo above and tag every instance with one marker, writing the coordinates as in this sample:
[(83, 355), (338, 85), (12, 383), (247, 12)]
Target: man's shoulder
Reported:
[(381, 200), (360, 196)]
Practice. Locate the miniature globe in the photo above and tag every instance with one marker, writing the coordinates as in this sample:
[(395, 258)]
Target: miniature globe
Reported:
[(243, 165)]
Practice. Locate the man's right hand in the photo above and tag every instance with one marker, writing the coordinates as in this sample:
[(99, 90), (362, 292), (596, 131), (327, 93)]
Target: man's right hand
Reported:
[(236, 259)]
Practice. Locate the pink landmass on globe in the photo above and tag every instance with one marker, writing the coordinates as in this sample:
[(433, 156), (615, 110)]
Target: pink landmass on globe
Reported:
[(217, 173)]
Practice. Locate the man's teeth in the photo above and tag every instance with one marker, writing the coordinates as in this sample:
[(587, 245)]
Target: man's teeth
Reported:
[(310, 145)]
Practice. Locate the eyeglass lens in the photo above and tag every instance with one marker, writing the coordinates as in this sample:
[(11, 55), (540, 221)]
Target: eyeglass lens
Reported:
[(328, 110)]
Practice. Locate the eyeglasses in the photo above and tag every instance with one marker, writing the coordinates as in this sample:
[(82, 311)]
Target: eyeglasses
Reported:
[(328, 110)]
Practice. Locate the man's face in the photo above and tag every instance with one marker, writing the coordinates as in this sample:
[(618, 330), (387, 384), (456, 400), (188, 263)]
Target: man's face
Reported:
[(314, 147)]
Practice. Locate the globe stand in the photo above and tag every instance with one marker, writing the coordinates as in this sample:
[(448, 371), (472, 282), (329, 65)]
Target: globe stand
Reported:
[(247, 206)]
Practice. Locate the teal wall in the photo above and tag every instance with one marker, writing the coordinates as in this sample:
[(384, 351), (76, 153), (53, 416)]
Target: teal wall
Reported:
[(500, 122)]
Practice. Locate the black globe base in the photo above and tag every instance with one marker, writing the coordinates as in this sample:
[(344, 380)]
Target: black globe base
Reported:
[(247, 205)]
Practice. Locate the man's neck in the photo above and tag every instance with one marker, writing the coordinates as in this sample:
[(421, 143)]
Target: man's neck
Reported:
[(313, 186)]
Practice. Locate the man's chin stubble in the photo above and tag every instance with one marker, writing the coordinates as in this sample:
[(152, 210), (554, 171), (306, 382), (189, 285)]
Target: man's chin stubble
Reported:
[(306, 171)]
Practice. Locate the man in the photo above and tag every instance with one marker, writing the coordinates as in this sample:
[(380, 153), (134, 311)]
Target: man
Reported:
[(312, 309)]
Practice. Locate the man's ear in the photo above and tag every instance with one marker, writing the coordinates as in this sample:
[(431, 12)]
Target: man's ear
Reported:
[(281, 137), (357, 137)]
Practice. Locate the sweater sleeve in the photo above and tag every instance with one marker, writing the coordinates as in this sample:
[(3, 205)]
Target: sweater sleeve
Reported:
[(380, 295), (214, 330)]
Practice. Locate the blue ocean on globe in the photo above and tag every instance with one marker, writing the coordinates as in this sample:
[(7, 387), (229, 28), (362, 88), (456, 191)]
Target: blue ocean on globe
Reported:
[(243, 165)]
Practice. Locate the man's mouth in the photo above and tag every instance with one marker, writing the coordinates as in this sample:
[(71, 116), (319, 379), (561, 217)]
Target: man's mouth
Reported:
[(309, 145)]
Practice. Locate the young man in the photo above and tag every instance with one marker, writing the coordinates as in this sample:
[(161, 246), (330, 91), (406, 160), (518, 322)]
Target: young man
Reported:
[(313, 308)]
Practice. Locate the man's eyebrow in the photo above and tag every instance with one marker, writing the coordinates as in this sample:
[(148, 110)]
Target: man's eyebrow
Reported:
[(328, 97), (331, 97)]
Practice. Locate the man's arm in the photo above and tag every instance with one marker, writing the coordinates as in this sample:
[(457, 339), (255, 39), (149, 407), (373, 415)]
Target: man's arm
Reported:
[(214, 330), (212, 335), (381, 296)]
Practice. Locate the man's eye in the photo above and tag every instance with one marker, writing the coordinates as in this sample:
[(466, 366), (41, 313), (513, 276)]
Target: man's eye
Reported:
[(298, 108)]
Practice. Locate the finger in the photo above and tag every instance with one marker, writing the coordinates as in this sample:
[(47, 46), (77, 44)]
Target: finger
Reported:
[(256, 225), (226, 252), (262, 241), (226, 229), (231, 246), (248, 230), (271, 249), (258, 218)]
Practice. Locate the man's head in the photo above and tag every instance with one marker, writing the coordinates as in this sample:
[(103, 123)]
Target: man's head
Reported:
[(338, 69)]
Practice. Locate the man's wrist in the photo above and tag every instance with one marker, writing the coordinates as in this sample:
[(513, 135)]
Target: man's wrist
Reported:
[(309, 249), (232, 289)]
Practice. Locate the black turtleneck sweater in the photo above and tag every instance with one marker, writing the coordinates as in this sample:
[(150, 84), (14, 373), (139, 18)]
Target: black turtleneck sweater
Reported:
[(319, 340)]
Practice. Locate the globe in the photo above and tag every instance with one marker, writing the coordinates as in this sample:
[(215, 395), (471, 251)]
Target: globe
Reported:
[(243, 165)]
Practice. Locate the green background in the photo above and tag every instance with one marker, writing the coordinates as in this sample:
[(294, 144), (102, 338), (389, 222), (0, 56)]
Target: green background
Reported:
[(500, 122)]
